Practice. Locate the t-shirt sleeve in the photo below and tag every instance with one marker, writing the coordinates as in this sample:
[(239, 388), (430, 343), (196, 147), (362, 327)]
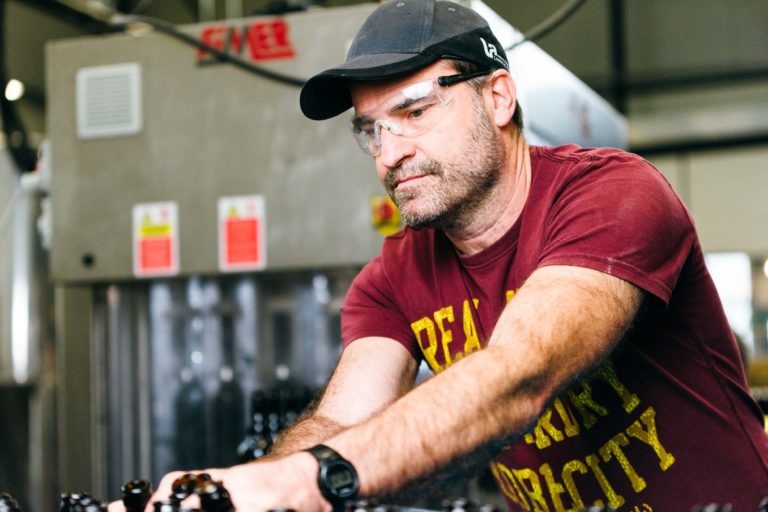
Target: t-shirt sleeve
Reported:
[(369, 310), (621, 217)]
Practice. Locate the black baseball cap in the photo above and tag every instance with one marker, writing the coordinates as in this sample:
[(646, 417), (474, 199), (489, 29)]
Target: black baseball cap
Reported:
[(400, 37)]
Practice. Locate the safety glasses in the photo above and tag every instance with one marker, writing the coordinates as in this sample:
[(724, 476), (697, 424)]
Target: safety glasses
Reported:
[(412, 111)]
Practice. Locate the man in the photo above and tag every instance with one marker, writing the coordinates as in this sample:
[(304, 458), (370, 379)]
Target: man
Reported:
[(608, 374)]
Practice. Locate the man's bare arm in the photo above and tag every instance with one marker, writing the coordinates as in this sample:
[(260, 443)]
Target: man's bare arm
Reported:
[(562, 322), (308, 431), (371, 374)]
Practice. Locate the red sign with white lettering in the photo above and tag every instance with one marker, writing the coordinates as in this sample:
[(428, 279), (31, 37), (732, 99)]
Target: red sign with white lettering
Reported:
[(241, 233), (264, 40)]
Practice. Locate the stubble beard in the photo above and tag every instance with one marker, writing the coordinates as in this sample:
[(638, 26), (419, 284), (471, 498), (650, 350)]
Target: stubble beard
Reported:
[(457, 189)]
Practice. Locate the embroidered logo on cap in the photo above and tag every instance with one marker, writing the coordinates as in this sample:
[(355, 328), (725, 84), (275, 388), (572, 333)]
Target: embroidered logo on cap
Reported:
[(492, 53)]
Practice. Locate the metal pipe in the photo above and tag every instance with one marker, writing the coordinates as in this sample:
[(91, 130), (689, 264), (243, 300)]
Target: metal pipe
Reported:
[(28, 277)]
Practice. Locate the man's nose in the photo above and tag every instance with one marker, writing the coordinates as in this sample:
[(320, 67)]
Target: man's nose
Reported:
[(393, 148)]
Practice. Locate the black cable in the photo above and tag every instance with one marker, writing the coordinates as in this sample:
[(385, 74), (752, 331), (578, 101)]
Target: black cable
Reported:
[(549, 24), (111, 20), (125, 21), (22, 154), (142, 6)]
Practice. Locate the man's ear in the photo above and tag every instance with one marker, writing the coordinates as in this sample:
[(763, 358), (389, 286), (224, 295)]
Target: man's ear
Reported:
[(503, 97)]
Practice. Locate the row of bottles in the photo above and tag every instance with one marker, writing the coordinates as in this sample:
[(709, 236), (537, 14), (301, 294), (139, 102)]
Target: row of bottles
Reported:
[(272, 411), (81, 503), (214, 497), (225, 345), (455, 505), (727, 507), (136, 495)]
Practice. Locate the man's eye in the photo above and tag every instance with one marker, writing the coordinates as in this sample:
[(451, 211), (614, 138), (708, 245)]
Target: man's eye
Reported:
[(367, 130), (418, 112)]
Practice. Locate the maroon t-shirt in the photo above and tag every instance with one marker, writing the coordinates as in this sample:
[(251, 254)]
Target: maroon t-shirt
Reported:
[(667, 421)]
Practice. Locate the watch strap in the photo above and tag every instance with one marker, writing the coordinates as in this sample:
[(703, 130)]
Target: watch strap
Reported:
[(322, 452), (325, 456)]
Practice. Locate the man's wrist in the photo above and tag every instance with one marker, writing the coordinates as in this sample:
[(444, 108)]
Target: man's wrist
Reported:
[(336, 477)]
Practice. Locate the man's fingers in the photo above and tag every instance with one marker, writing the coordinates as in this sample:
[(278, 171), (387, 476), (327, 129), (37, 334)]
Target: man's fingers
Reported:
[(116, 506)]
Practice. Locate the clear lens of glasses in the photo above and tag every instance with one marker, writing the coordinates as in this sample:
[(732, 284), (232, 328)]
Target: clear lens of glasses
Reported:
[(412, 111)]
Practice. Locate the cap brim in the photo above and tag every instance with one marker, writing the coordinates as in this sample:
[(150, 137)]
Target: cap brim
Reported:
[(326, 95)]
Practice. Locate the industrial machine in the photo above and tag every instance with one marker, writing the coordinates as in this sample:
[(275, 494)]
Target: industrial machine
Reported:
[(204, 232)]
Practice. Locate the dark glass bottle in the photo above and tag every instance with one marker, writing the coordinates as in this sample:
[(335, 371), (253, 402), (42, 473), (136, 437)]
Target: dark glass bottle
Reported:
[(191, 431), (257, 442), (135, 495), (214, 497), (229, 402), (183, 487)]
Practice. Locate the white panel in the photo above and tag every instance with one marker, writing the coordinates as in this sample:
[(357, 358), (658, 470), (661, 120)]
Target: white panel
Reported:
[(729, 199)]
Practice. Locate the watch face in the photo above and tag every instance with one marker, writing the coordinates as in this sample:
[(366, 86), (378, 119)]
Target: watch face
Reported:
[(341, 479), (336, 477)]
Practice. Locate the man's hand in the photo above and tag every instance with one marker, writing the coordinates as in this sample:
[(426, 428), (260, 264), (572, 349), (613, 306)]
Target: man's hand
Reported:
[(286, 483)]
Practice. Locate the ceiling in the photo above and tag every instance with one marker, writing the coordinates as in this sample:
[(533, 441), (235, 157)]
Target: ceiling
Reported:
[(624, 49)]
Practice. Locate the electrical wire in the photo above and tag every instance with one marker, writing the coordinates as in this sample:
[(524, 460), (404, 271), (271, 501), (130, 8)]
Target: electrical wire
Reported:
[(126, 21), (548, 25), (142, 6), (117, 20)]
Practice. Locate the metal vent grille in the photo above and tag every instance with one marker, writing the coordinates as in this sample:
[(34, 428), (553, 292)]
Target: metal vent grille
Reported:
[(109, 101)]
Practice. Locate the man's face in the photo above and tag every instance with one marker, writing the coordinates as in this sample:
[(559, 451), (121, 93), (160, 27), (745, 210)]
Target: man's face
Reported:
[(439, 177)]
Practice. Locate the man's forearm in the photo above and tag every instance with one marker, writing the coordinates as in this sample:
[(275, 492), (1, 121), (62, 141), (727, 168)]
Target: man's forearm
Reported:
[(358, 389), (445, 418), (498, 392), (307, 432)]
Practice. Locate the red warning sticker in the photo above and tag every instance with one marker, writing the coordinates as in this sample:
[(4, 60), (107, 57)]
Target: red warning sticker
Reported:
[(242, 240), (155, 239)]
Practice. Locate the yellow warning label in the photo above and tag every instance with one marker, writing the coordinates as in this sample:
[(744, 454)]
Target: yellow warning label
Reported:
[(385, 216), (154, 230)]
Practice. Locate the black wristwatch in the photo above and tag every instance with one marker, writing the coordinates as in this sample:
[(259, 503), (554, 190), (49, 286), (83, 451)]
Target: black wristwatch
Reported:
[(336, 477)]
